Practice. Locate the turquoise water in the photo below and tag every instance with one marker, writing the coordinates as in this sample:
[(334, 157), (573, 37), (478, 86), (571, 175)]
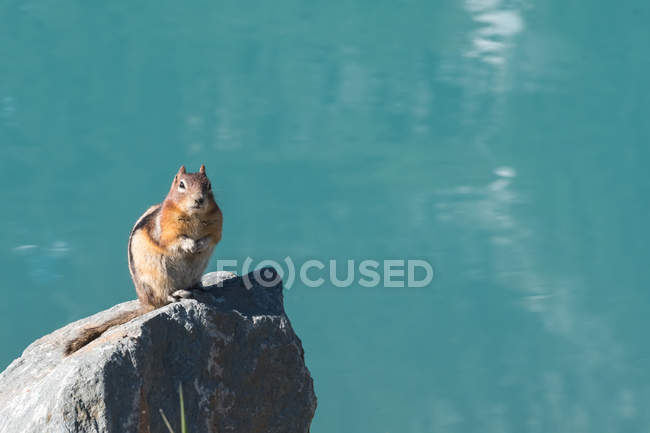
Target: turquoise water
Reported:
[(505, 142)]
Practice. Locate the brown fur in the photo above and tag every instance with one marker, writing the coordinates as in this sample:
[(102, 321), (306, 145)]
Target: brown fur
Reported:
[(93, 332), (169, 248)]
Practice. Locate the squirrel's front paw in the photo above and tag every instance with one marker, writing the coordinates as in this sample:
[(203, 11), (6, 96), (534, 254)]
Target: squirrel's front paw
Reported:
[(202, 244), (188, 245)]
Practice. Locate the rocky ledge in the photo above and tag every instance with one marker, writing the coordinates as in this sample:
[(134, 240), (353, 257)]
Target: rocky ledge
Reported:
[(231, 348)]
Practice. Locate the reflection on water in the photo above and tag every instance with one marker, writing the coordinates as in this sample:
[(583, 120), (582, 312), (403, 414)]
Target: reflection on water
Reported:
[(42, 261), (492, 41), (503, 140), (572, 394)]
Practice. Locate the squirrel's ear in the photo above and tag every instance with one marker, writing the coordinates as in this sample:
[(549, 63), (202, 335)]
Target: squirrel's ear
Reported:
[(202, 169), (181, 170)]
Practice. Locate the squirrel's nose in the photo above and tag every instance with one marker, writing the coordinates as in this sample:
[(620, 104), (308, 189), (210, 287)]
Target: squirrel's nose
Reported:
[(199, 201)]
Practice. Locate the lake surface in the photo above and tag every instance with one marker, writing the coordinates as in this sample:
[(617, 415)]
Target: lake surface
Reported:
[(504, 142)]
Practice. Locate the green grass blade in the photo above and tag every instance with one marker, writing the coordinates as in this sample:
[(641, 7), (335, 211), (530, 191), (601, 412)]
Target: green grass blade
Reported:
[(180, 393), (171, 430)]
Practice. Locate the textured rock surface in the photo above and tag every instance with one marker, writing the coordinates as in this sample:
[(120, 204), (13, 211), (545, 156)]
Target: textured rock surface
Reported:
[(233, 350)]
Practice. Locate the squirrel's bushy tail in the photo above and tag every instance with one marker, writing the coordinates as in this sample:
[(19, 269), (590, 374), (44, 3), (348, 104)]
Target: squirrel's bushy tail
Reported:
[(92, 332)]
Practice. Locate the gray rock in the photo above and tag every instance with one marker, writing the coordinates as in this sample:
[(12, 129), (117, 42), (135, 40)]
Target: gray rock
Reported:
[(233, 350)]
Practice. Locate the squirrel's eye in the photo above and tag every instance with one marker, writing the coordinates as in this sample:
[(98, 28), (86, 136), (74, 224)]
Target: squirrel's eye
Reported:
[(181, 185), (209, 186)]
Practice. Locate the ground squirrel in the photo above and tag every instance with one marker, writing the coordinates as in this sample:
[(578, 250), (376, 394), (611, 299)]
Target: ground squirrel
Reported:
[(169, 248)]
